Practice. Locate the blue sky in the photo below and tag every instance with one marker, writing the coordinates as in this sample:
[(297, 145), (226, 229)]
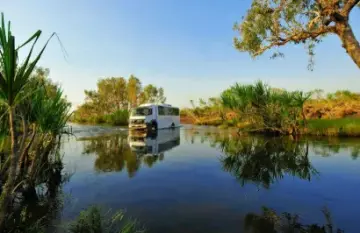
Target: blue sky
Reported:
[(185, 46)]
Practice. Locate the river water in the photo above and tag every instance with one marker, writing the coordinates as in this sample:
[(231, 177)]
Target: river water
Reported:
[(202, 179)]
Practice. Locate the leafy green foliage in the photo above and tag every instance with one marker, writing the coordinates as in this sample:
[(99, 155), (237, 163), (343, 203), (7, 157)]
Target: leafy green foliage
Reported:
[(266, 109), (113, 98), (51, 113), (13, 76), (152, 94), (270, 24), (33, 112)]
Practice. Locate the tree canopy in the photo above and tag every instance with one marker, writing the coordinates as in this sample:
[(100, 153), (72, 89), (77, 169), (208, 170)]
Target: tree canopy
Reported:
[(114, 97), (271, 24)]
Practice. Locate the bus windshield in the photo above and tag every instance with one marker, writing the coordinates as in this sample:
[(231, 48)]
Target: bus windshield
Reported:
[(141, 111)]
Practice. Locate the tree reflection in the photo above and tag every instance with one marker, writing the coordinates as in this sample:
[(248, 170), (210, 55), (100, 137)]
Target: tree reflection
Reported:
[(270, 222), (264, 161), (114, 154), (329, 146)]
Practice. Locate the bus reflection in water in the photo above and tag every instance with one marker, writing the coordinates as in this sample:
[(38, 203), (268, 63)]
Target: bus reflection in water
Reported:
[(157, 143)]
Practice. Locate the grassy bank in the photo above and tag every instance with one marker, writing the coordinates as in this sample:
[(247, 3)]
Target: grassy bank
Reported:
[(334, 127), (343, 127)]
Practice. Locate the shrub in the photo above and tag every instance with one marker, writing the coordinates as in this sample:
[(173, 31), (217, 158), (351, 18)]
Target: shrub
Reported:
[(118, 118)]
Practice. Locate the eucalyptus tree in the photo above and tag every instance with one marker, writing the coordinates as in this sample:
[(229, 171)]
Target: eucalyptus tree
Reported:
[(152, 94), (270, 24), (134, 91)]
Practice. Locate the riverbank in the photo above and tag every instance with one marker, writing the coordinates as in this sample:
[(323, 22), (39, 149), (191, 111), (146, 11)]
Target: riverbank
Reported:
[(343, 127)]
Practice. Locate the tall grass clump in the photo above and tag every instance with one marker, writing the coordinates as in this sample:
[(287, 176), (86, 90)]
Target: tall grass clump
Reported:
[(265, 109), (94, 219)]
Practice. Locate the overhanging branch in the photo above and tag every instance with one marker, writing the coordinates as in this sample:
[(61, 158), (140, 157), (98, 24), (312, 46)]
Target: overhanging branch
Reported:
[(297, 37)]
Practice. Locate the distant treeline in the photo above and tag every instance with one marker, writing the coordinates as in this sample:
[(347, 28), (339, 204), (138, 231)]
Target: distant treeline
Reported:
[(113, 99), (261, 108)]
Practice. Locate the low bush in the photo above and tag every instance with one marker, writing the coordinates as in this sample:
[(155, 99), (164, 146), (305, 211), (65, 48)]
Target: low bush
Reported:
[(118, 118)]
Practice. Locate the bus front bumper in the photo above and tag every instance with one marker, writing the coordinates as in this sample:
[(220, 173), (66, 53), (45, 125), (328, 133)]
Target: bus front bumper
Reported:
[(138, 127)]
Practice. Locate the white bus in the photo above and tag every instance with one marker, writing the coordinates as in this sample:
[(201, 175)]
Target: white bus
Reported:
[(154, 117)]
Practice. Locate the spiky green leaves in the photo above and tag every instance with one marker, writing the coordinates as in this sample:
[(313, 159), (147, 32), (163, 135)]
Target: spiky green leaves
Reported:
[(50, 112), (14, 76), (266, 108)]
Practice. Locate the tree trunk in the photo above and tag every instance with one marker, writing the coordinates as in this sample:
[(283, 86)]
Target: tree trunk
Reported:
[(304, 117), (349, 41), (7, 192), (24, 153)]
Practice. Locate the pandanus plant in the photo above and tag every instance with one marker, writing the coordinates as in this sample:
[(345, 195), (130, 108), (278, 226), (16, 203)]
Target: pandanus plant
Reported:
[(14, 77)]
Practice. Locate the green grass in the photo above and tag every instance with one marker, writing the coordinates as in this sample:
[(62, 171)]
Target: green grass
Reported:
[(94, 219), (334, 127)]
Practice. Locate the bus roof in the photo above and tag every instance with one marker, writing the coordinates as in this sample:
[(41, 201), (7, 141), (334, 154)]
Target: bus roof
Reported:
[(154, 104)]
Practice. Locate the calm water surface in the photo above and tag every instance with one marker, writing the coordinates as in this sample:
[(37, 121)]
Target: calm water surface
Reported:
[(200, 179)]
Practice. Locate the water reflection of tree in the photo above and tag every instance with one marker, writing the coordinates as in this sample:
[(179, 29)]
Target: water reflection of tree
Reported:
[(264, 161), (113, 153), (330, 146), (270, 222)]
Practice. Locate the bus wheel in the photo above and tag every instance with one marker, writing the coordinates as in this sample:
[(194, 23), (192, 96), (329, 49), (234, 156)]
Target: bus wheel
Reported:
[(154, 126)]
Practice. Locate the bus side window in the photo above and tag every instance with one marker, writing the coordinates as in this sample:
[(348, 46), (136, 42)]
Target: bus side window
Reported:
[(161, 111), (168, 111), (174, 112)]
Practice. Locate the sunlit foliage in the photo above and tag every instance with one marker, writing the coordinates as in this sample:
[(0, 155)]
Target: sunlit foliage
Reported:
[(35, 113), (270, 24), (113, 99), (265, 109)]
